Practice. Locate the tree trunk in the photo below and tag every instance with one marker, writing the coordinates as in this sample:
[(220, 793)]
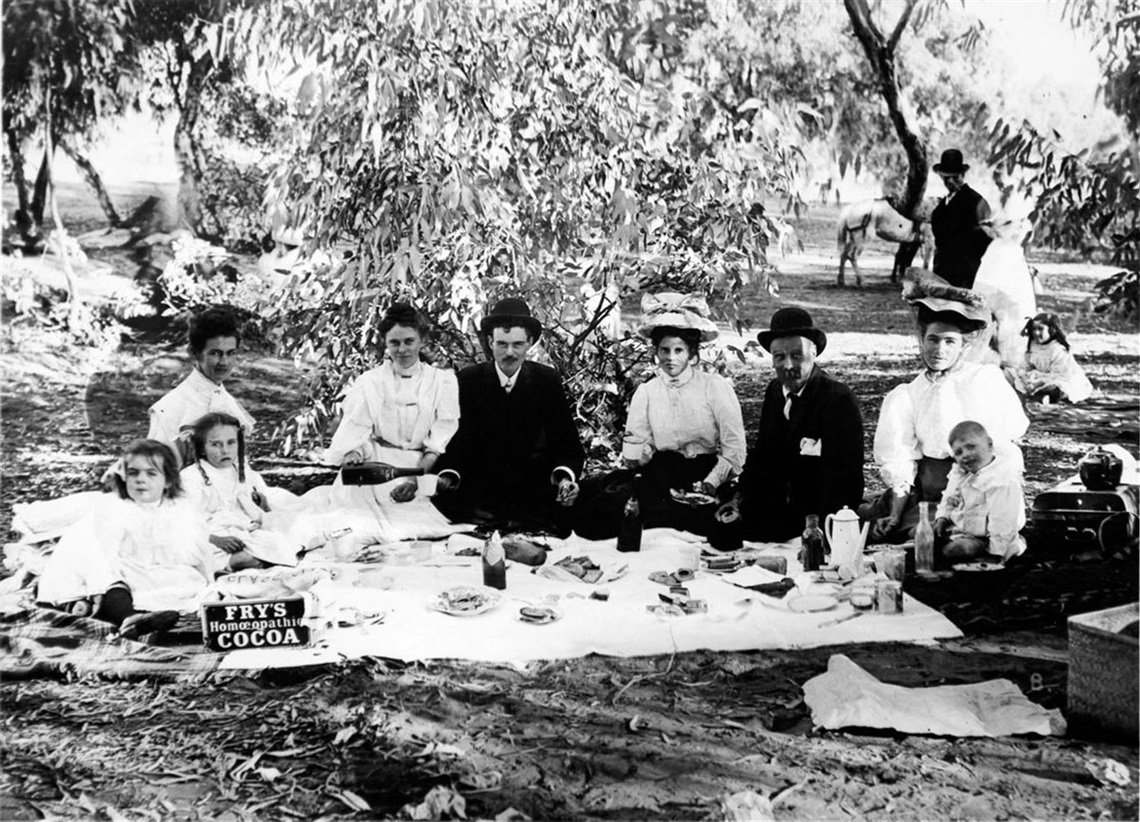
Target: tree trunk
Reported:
[(880, 52), (94, 180), (60, 233), (18, 176), (186, 149), (43, 177)]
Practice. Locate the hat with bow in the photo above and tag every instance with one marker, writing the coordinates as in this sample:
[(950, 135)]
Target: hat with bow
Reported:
[(685, 312)]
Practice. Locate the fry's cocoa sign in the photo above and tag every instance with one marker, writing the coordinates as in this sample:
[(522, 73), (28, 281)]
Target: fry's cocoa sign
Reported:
[(256, 623)]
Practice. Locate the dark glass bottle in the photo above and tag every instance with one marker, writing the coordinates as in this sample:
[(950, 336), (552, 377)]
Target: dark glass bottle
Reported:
[(629, 533), (811, 554)]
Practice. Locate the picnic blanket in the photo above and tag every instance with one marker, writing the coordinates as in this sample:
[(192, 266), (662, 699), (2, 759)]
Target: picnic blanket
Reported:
[(1102, 418), (394, 617), (385, 610)]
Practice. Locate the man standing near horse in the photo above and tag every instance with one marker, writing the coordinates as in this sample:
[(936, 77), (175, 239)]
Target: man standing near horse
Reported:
[(959, 223)]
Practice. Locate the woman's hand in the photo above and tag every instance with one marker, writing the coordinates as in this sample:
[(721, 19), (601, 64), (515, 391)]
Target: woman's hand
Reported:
[(942, 528), (705, 488), (405, 491), (353, 458), (231, 545)]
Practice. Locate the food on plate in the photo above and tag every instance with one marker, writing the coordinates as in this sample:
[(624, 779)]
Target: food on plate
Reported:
[(583, 568), (691, 497), (465, 600), (538, 614)]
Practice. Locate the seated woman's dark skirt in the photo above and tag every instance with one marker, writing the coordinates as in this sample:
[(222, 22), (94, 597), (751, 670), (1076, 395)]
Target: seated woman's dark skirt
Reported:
[(602, 500), (930, 481)]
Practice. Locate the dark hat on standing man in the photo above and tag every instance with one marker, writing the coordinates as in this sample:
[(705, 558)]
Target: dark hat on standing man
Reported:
[(951, 163), (509, 313), (792, 322)]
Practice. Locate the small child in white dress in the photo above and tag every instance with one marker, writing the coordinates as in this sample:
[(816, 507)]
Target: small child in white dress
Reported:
[(1050, 372), (983, 507), (150, 557), (231, 495)]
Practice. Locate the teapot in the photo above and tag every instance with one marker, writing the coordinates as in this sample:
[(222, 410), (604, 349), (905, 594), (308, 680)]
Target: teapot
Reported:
[(845, 538), (1100, 469)]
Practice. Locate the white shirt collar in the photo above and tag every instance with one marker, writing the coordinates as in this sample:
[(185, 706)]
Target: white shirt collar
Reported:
[(415, 370), (507, 382), (682, 379)]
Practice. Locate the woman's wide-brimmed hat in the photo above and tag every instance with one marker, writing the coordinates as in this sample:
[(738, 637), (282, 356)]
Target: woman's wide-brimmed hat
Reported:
[(511, 312), (685, 312), (951, 163), (792, 322), (967, 316)]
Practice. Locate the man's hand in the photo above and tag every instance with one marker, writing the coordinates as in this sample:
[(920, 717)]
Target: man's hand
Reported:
[(705, 488), (243, 560), (405, 491), (883, 526), (231, 545), (353, 458), (567, 493), (729, 512), (444, 482)]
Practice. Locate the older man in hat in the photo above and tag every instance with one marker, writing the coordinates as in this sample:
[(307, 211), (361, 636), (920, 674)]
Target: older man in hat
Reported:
[(515, 460), (808, 454), (960, 223)]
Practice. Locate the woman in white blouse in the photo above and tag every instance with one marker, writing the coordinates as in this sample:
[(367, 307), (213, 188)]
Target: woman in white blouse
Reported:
[(684, 433), (911, 447), (404, 411)]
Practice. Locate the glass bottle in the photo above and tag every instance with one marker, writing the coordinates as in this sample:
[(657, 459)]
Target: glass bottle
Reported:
[(494, 562), (811, 554), (924, 539), (629, 532)]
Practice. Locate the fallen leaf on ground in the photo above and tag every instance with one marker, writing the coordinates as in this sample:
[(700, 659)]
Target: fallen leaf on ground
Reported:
[(747, 806)]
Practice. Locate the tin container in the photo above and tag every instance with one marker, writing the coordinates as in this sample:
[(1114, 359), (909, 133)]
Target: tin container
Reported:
[(888, 596)]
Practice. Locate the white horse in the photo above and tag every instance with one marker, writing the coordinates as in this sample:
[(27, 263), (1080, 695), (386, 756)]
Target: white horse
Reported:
[(858, 220)]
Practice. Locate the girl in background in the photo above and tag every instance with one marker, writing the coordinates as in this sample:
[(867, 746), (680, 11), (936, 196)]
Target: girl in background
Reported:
[(1050, 372)]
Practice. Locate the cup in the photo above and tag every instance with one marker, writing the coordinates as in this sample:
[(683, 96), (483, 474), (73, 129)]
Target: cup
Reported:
[(888, 596), (633, 448), (891, 562), (690, 558)]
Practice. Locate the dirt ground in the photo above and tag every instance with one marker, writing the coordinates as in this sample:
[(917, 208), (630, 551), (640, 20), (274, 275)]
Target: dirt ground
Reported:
[(643, 738)]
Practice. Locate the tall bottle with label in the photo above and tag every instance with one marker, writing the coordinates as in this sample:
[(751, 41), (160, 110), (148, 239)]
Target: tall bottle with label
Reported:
[(629, 533), (924, 539), (494, 562), (811, 552)]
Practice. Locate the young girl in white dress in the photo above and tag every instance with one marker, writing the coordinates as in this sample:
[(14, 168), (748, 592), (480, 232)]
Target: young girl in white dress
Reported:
[(1050, 372), (150, 557)]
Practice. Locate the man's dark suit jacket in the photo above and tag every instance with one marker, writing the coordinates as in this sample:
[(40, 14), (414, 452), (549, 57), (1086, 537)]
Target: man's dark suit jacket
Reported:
[(783, 480), (959, 241), (508, 444)]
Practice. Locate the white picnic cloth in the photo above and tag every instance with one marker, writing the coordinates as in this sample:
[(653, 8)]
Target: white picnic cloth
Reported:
[(737, 619)]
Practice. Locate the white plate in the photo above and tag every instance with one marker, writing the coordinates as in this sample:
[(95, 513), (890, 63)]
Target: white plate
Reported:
[(981, 565), (809, 603), (552, 615), (482, 600)]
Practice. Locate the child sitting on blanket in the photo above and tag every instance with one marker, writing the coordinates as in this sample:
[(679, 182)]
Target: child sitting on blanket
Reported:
[(150, 556), (1050, 372), (983, 507)]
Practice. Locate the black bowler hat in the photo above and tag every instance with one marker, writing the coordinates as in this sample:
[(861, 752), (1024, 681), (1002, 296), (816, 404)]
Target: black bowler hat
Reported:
[(951, 163), (792, 322), (509, 313)]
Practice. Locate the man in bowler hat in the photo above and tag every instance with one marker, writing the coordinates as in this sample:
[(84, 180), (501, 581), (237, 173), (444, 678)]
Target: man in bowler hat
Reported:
[(960, 223), (515, 460), (808, 454)]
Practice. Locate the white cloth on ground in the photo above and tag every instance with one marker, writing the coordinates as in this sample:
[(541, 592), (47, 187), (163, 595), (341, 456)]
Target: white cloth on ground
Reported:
[(698, 413), (916, 418), (189, 401)]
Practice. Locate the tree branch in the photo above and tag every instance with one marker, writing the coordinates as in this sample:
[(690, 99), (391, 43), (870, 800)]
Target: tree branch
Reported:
[(900, 27)]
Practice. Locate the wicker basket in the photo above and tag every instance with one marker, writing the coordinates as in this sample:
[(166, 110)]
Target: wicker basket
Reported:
[(1103, 668)]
